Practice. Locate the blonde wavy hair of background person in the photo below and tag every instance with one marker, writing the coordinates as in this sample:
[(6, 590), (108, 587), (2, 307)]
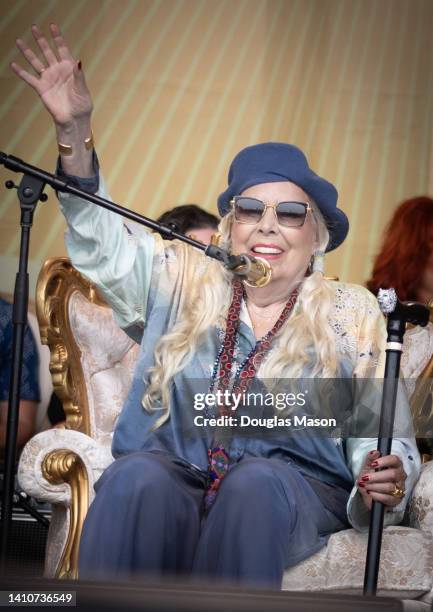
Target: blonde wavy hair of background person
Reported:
[(306, 333)]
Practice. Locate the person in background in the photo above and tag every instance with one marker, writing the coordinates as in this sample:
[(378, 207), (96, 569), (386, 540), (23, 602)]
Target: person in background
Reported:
[(405, 259), (405, 263), (191, 220), (30, 393)]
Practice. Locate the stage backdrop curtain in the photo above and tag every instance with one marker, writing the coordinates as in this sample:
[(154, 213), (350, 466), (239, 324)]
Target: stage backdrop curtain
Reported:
[(181, 85)]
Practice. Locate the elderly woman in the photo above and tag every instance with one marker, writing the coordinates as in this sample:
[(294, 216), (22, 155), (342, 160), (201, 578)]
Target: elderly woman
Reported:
[(176, 500)]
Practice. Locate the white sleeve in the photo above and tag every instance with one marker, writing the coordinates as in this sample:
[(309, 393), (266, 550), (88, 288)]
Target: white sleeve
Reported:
[(118, 262), (406, 449)]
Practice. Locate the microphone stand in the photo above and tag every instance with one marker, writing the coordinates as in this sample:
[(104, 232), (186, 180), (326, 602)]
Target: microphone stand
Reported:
[(396, 327), (30, 191)]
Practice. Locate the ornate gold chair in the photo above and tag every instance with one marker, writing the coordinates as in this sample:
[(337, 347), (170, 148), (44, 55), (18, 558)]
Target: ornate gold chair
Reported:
[(92, 361), (91, 365)]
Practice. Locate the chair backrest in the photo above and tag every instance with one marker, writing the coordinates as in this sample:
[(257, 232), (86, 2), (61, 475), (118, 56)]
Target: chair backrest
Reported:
[(92, 359)]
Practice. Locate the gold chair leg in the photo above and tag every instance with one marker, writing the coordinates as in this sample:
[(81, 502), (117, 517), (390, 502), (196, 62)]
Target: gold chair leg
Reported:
[(58, 467)]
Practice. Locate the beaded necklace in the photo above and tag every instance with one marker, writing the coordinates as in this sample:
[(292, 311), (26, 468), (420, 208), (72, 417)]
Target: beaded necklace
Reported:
[(218, 458)]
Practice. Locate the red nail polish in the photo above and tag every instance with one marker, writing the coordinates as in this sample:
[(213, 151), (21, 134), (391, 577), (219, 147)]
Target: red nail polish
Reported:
[(374, 463), (79, 65), (361, 484), (372, 452), (365, 478)]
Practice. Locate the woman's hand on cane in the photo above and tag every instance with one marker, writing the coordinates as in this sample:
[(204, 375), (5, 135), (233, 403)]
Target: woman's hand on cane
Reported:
[(386, 485)]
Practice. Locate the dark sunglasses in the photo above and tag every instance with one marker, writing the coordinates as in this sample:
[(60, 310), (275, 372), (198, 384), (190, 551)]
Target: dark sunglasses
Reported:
[(251, 210)]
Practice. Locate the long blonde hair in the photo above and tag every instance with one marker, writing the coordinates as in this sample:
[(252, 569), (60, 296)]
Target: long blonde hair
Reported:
[(306, 335)]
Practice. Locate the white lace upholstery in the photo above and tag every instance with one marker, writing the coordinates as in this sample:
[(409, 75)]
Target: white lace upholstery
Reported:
[(420, 511), (406, 564), (406, 568), (108, 364), (418, 349)]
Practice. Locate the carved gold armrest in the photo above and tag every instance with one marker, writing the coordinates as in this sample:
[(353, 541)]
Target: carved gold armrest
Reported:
[(61, 466)]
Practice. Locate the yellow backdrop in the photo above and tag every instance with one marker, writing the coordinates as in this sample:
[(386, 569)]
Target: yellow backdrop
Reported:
[(181, 85)]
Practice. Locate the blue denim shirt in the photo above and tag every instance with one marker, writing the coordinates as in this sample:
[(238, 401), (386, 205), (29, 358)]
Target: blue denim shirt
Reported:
[(30, 368)]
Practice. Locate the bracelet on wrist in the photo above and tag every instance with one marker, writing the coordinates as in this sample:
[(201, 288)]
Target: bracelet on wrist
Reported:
[(65, 149)]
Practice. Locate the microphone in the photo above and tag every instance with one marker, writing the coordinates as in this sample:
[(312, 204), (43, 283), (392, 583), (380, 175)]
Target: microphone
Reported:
[(412, 312), (256, 271)]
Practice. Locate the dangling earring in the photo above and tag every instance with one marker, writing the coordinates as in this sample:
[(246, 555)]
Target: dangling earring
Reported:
[(317, 263), (216, 239)]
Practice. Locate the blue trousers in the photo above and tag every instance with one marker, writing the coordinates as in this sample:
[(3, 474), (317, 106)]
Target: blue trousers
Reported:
[(147, 519)]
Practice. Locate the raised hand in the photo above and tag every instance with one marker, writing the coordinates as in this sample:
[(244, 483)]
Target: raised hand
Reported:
[(385, 485), (61, 85), (60, 81)]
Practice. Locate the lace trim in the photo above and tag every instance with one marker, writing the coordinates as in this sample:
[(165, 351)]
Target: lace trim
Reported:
[(353, 337), (347, 322)]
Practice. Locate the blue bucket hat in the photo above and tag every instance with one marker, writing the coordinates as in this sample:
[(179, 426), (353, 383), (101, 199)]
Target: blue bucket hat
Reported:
[(272, 162)]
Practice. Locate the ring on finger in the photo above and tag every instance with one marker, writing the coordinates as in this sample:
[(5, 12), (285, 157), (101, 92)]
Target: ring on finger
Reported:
[(398, 492)]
